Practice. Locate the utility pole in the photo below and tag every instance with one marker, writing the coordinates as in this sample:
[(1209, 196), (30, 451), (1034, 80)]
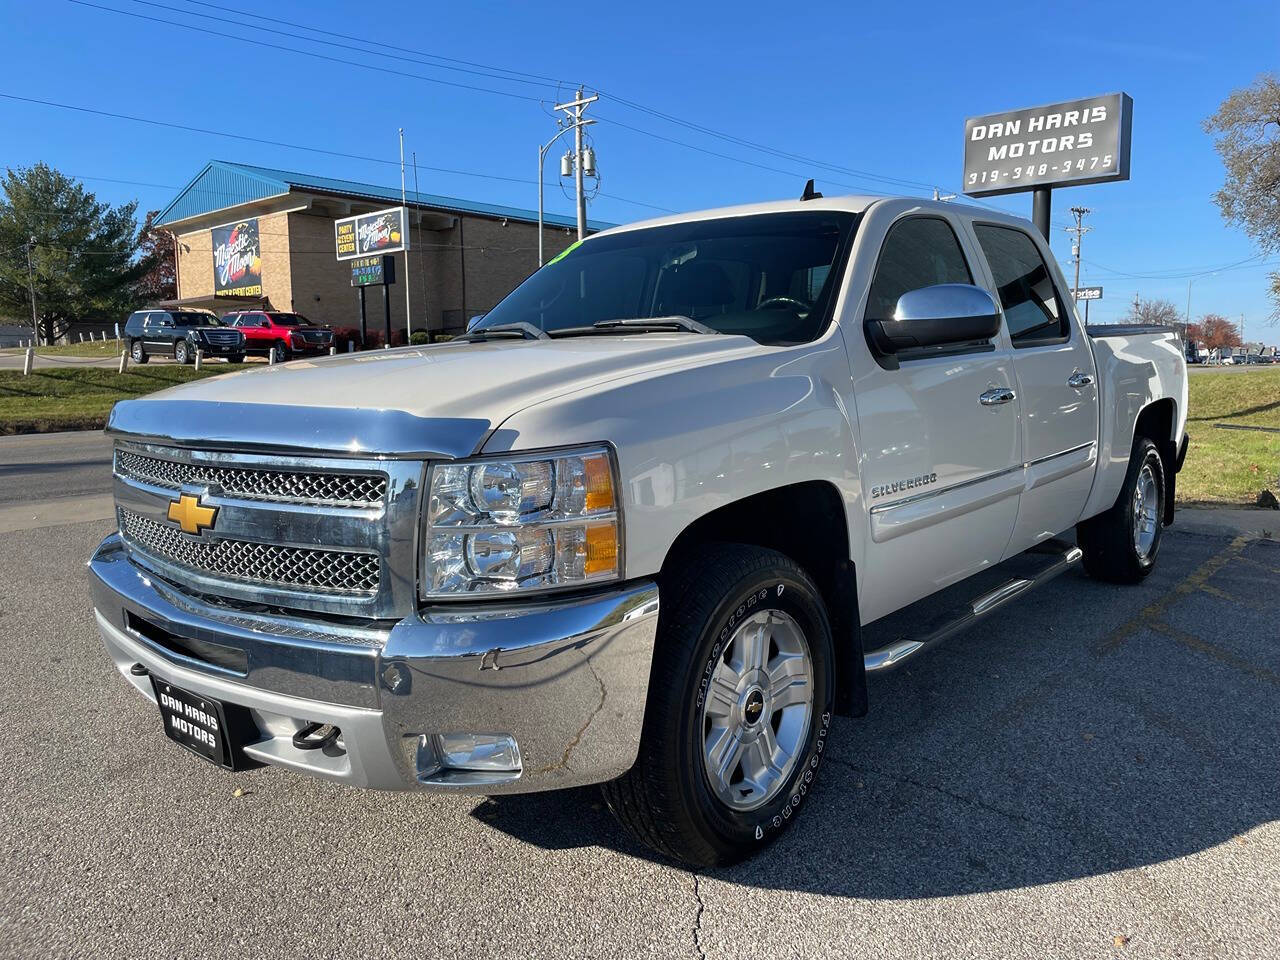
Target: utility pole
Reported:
[(1079, 230), (31, 288), (408, 243), (583, 160)]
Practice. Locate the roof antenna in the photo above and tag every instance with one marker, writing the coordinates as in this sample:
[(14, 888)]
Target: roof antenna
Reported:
[(809, 192)]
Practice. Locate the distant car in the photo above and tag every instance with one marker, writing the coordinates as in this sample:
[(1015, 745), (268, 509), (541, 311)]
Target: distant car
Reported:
[(284, 334), (179, 334)]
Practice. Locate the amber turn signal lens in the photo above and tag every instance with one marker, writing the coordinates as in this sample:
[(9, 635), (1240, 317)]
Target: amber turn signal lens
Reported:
[(602, 549), (599, 483)]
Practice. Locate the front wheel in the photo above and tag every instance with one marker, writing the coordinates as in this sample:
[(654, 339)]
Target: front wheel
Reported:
[(740, 702), (235, 358), (181, 352), (1120, 546), (279, 353), (136, 353)]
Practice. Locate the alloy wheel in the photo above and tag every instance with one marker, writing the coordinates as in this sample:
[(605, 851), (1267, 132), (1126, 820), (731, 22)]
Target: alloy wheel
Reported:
[(757, 710)]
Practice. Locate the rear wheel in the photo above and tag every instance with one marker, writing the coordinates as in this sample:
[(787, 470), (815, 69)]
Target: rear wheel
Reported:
[(740, 703), (136, 353), (1120, 545)]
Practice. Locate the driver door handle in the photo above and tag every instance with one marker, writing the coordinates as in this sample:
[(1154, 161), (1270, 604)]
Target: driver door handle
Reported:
[(1079, 380), (997, 396)]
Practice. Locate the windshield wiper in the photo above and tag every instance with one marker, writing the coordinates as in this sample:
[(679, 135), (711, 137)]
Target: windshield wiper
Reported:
[(675, 321), (637, 325), (513, 331)]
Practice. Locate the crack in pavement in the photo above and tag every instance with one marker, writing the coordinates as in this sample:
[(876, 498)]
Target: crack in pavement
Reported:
[(697, 917), (959, 797)]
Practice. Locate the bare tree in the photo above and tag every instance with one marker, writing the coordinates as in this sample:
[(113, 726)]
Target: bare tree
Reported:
[(1161, 312), (1246, 131)]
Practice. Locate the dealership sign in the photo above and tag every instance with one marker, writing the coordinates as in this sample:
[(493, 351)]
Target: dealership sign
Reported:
[(1088, 293), (1059, 145), (237, 260), (383, 231), (373, 271)]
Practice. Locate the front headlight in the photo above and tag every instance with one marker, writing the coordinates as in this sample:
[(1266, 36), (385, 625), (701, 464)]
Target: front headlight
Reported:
[(521, 523)]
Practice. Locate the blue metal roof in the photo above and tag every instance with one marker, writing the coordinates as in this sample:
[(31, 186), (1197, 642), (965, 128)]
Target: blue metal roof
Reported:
[(223, 184)]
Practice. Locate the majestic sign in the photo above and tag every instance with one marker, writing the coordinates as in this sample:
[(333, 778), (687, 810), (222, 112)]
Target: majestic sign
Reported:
[(237, 260), (1088, 293), (1062, 144), (373, 271), (380, 232)]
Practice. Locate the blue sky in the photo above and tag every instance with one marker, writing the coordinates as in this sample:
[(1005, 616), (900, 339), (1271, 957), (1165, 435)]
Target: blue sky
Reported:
[(881, 89)]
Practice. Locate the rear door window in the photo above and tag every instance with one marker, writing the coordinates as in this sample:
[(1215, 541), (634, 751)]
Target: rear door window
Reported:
[(1033, 310), (918, 252)]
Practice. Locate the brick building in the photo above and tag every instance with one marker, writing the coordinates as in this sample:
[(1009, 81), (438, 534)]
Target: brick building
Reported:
[(464, 255)]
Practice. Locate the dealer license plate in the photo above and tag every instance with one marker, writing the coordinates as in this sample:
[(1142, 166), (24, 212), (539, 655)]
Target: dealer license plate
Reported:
[(193, 721)]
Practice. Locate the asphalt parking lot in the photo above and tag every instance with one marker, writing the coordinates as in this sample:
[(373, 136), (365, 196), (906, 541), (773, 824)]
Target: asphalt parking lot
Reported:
[(1094, 773)]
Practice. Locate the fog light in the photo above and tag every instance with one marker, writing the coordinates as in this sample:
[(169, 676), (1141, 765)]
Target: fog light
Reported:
[(476, 752)]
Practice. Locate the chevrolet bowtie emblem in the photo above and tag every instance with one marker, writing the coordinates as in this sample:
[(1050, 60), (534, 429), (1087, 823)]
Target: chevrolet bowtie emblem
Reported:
[(187, 513)]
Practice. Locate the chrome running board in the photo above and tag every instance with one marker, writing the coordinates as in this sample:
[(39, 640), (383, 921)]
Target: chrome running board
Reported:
[(1064, 556)]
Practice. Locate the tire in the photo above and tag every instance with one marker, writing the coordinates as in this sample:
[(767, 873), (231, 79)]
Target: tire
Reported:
[(712, 602), (136, 352), (1114, 549), (235, 358), (281, 352), (182, 352)]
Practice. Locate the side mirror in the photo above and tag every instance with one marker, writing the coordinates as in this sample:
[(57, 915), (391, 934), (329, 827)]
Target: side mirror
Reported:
[(473, 321), (942, 315)]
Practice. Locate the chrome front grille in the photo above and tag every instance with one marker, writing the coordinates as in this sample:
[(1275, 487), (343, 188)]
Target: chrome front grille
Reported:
[(223, 338), (326, 571), (327, 489), (292, 531)]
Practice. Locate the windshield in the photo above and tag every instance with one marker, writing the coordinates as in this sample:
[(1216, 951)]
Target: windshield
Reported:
[(193, 318), (768, 276), (291, 320)]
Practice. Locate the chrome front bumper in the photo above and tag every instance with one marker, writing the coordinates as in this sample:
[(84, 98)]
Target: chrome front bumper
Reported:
[(567, 678)]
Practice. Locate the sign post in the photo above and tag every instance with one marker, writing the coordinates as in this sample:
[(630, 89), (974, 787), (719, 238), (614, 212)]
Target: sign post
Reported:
[(368, 241), (374, 272), (1086, 294), (1058, 145)]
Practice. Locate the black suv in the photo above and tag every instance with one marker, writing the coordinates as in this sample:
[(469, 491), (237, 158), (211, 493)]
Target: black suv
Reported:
[(179, 333)]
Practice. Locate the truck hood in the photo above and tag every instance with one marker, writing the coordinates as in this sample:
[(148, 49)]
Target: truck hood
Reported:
[(435, 401)]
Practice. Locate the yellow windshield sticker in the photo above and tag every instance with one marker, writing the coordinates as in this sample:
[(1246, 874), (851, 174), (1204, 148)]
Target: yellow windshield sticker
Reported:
[(565, 252)]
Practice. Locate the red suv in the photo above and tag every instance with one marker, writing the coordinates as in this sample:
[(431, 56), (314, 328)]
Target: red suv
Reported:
[(284, 334)]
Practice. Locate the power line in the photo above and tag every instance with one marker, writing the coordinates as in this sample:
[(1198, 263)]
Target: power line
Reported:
[(723, 156), (379, 43), (333, 43), (626, 102), (1183, 274), (308, 53), (290, 145)]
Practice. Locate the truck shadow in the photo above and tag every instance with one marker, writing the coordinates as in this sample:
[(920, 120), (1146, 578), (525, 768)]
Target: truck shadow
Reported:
[(1088, 730)]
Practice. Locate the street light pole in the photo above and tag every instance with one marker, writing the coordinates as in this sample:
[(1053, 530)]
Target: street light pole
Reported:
[(31, 288), (542, 155), (1189, 283)]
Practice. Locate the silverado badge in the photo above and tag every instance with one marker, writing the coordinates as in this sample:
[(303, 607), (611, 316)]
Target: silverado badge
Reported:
[(187, 513)]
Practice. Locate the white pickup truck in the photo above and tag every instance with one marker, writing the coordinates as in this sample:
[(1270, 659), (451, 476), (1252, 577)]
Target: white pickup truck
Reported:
[(629, 528)]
